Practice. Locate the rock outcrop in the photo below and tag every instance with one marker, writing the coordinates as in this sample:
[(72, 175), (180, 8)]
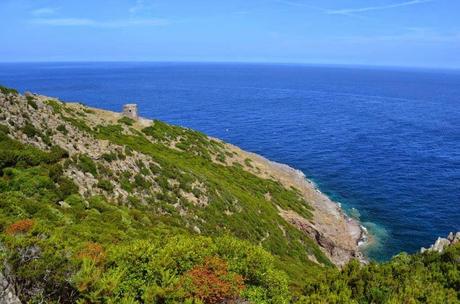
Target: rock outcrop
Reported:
[(442, 243), (7, 292)]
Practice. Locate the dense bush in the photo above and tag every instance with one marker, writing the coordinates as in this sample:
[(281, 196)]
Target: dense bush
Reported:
[(126, 120), (30, 130), (109, 157), (105, 184), (86, 164), (420, 278), (31, 102), (13, 153), (62, 129)]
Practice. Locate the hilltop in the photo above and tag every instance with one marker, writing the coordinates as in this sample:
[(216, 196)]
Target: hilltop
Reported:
[(98, 207)]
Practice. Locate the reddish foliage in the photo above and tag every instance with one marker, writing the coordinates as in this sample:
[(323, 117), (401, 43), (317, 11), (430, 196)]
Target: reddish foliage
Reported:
[(21, 226), (212, 283), (93, 251)]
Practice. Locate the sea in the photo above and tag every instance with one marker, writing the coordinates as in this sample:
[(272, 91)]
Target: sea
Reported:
[(384, 143)]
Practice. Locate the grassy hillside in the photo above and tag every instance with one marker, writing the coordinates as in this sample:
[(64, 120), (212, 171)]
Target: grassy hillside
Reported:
[(102, 209)]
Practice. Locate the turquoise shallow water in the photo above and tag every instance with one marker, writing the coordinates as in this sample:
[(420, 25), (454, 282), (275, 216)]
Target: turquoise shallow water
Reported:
[(383, 141)]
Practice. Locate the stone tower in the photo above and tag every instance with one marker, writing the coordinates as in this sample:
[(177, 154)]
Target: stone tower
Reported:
[(130, 110)]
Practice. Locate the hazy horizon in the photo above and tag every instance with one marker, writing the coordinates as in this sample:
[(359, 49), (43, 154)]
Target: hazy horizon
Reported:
[(306, 64)]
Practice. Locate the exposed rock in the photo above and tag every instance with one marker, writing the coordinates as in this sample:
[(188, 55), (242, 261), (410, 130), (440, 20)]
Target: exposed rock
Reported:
[(196, 229), (442, 243), (7, 292), (338, 253)]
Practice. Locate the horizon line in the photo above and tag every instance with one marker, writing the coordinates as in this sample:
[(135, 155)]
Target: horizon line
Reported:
[(256, 62)]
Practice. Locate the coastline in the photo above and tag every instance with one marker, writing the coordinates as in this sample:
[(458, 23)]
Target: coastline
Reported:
[(338, 235)]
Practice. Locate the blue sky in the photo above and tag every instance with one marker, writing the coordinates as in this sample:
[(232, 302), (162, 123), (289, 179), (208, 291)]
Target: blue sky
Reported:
[(419, 33)]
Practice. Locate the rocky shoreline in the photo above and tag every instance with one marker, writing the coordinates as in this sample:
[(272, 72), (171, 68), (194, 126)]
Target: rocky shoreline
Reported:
[(443, 243), (339, 236)]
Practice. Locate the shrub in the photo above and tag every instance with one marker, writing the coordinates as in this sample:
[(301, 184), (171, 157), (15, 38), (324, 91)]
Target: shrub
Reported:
[(105, 184), (126, 184), (121, 156), (55, 172), (66, 187), (55, 105), (57, 153), (211, 282), (154, 168), (126, 120), (21, 226), (6, 90), (86, 164), (94, 252), (30, 130), (141, 182), (78, 123), (128, 151), (4, 129), (61, 128), (109, 157), (31, 102)]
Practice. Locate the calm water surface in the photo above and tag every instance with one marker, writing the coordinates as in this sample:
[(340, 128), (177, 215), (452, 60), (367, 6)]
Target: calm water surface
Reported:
[(385, 142)]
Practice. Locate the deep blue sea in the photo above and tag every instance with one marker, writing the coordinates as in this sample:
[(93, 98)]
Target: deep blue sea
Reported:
[(385, 142)]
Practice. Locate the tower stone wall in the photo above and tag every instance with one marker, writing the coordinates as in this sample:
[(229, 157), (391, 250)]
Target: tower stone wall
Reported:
[(130, 110)]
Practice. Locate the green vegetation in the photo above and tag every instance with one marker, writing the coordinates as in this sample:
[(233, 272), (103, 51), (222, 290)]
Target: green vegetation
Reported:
[(110, 157), (105, 184), (15, 154), (62, 129), (86, 164), (191, 230), (422, 278), (5, 90), (228, 188), (95, 251), (126, 120), (30, 130), (55, 105), (192, 142), (31, 102)]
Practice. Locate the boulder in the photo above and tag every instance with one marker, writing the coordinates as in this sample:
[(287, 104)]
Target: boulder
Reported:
[(442, 243)]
